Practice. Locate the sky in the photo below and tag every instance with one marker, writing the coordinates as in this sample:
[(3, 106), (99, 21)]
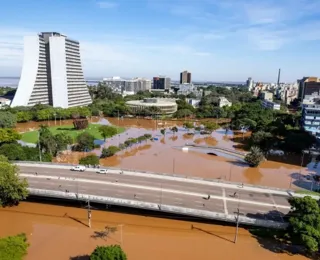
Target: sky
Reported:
[(216, 40)]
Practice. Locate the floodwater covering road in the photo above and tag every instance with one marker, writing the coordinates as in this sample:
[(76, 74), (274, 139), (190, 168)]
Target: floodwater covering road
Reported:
[(58, 232)]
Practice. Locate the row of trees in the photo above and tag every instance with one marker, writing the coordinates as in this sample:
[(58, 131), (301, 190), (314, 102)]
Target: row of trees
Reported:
[(112, 150), (10, 116)]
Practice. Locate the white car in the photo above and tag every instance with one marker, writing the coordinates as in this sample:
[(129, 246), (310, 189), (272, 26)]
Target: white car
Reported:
[(79, 168), (102, 171)]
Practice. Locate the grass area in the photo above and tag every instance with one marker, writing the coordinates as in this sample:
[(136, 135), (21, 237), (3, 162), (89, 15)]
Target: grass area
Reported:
[(308, 192), (32, 136)]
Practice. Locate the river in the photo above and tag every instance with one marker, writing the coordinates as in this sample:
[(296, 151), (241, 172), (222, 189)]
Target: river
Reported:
[(59, 232)]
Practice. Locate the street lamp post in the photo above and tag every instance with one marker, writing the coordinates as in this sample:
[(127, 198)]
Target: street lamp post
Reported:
[(40, 156), (237, 226)]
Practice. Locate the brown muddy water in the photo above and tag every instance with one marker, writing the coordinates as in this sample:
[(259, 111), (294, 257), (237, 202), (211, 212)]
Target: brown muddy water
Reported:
[(163, 156), (58, 233)]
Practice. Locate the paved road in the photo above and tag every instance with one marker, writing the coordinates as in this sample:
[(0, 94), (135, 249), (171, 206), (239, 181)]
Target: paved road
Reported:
[(263, 205)]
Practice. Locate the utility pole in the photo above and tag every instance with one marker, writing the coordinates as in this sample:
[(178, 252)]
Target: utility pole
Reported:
[(40, 156), (121, 235), (237, 226), (89, 214), (161, 194), (174, 165)]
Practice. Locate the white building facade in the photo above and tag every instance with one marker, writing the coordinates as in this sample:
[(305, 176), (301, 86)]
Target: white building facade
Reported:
[(51, 73)]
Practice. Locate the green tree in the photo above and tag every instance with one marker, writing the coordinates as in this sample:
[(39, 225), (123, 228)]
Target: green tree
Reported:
[(113, 252), (210, 126), (148, 136), (24, 116), (47, 141), (89, 160), (13, 152), (85, 142), (107, 131), (13, 247), (304, 222), (262, 139), (12, 189), (163, 131), (254, 157), (110, 151), (188, 125), (7, 119), (62, 141), (8, 135)]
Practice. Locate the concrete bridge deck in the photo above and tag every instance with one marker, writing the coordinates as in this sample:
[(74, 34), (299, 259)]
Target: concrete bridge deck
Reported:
[(258, 205)]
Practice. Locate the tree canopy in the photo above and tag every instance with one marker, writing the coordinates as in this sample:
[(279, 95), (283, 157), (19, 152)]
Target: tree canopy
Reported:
[(85, 142), (7, 119), (13, 247), (254, 157), (89, 160), (305, 222), (113, 252), (12, 189), (107, 131)]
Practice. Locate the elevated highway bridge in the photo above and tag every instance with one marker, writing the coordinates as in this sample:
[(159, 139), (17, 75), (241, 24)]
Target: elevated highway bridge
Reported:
[(209, 199)]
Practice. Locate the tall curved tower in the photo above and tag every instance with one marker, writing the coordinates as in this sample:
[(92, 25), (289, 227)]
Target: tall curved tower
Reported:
[(51, 73)]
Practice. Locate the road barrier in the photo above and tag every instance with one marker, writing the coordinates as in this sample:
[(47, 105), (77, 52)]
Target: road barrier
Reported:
[(157, 207)]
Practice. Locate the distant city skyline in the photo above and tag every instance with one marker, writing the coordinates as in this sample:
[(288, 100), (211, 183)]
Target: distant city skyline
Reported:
[(227, 40)]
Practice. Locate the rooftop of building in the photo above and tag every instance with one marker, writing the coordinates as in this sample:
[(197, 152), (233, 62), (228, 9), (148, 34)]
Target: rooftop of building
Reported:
[(153, 102)]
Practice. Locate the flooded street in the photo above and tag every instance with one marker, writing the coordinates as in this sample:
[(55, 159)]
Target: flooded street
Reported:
[(165, 155), (58, 232)]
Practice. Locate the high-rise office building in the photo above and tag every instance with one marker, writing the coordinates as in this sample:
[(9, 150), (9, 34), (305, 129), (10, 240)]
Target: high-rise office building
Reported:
[(161, 82), (185, 77), (249, 84), (51, 73), (308, 86)]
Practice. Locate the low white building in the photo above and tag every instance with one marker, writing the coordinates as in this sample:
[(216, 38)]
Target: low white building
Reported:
[(223, 102), (128, 86), (194, 102), (4, 102), (265, 95), (270, 105)]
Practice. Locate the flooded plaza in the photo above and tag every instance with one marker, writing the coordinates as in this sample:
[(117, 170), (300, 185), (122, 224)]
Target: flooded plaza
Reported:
[(58, 232), (165, 155)]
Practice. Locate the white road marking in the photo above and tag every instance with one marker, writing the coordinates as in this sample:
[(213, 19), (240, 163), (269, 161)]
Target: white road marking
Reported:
[(224, 201)]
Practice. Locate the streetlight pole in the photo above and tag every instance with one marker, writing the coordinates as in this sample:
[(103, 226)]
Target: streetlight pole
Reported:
[(121, 234), (89, 214), (40, 156), (237, 227), (174, 165)]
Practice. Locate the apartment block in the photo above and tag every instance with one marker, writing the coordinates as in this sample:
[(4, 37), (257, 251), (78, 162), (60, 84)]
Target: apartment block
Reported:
[(308, 86), (161, 82), (51, 73), (311, 115)]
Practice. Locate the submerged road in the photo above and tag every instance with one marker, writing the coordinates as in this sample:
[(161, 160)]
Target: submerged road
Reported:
[(261, 204)]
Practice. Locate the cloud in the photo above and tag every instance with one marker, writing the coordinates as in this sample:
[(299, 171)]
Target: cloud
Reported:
[(106, 5)]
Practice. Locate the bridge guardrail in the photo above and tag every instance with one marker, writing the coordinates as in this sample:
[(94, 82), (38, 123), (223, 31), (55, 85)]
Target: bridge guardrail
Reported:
[(157, 207), (165, 174)]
